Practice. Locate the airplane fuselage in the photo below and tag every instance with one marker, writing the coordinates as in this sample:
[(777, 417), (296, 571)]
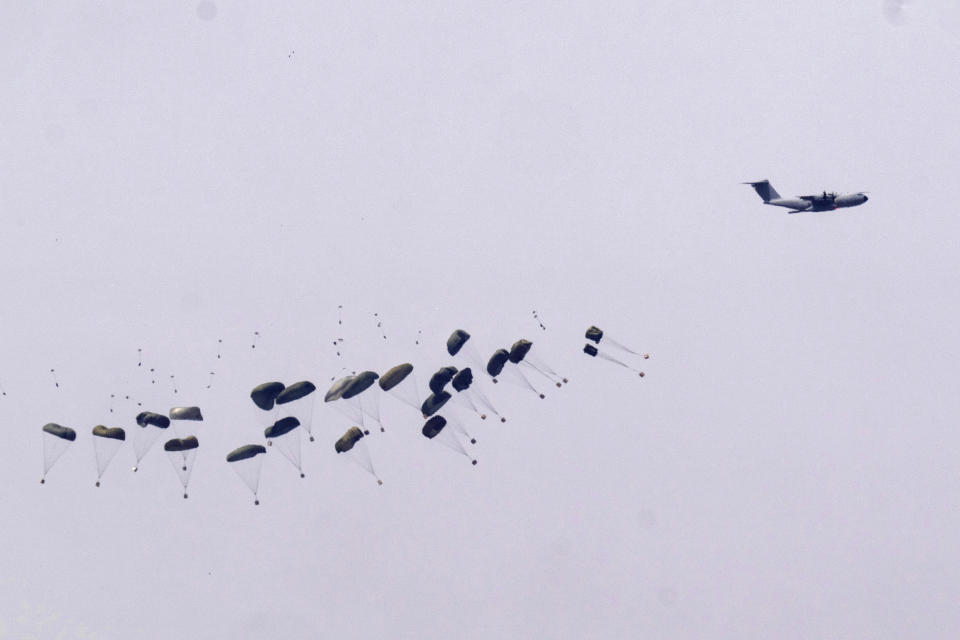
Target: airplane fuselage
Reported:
[(820, 202)]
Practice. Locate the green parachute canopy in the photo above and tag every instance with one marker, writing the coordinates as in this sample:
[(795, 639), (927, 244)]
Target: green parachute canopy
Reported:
[(360, 383), (348, 439), (594, 334), (186, 413), (246, 452), (296, 391), (145, 418), (337, 388), (456, 341), (281, 427), (434, 402), (115, 433), (64, 433), (440, 379), (264, 395), (590, 350), (519, 350), (434, 426), (395, 376), (463, 380), (181, 444), (496, 362)]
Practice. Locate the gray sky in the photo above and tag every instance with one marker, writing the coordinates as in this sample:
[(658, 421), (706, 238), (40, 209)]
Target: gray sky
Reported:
[(788, 468)]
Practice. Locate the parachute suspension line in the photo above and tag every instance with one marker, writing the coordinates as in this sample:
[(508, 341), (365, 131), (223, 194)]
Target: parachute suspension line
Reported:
[(2, 390), (340, 314), (619, 345), (210, 380), (484, 400), (139, 357), (622, 364), (253, 341), (173, 382), (419, 333), (56, 383)]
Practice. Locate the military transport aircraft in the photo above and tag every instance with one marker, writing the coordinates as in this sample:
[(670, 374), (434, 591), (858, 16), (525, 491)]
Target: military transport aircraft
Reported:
[(822, 202)]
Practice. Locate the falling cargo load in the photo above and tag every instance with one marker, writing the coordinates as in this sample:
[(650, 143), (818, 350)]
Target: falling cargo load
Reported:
[(106, 443)]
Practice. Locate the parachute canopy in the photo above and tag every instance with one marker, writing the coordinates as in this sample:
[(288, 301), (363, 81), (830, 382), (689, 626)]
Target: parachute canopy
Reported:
[(145, 418), (348, 439), (264, 395), (181, 444), (433, 426), (360, 383), (186, 413), (590, 350), (337, 388), (456, 341), (116, 433), (281, 427), (64, 433), (594, 334), (519, 350), (395, 376), (496, 362), (434, 402), (245, 452), (463, 380), (440, 379), (296, 391)]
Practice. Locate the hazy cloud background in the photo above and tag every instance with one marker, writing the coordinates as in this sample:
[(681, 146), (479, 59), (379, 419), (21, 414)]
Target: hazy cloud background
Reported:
[(175, 173)]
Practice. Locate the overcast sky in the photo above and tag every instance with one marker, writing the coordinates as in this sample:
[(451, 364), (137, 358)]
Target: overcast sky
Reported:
[(176, 173)]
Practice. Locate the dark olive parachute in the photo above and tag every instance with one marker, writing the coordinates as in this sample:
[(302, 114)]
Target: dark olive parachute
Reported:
[(519, 350), (337, 388), (145, 418), (181, 444), (594, 334), (281, 427), (433, 426), (440, 379), (590, 350), (463, 380), (395, 376), (434, 402), (347, 440), (64, 433), (186, 413), (456, 341), (496, 362), (264, 395), (245, 452), (296, 391), (360, 383), (115, 433)]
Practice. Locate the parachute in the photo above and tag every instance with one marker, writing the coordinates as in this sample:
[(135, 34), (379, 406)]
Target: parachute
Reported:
[(456, 341), (367, 401), (151, 425), (593, 352), (284, 433), (436, 428), (334, 395), (520, 354), (433, 403), (186, 413), (182, 452), (265, 395), (460, 344), (351, 443), (440, 379), (499, 364), (247, 461), (106, 443), (402, 384), (470, 395), (56, 439), (299, 396), (595, 334)]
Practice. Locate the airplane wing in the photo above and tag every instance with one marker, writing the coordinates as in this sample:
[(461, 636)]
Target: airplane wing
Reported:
[(811, 198)]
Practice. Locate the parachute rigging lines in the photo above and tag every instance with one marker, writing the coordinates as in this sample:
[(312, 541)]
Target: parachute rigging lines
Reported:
[(286, 435), (401, 384), (56, 440), (297, 401), (182, 452), (436, 428), (247, 462), (352, 444), (106, 443), (151, 425)]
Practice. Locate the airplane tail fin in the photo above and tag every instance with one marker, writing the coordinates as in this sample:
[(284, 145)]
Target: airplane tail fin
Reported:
[(764, 190)]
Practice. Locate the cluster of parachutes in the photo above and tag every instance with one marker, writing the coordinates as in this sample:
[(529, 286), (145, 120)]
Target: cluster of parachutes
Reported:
[(286, 411)]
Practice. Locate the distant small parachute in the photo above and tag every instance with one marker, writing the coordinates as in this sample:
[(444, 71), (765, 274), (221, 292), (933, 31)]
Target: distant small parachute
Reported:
[(286, 435), (56, 439), (592, 351), (437, 428), (402, 384), (296, 401), (352, 444), (440, 379), (106, 443), (500, 365), (247, 461), (471, 395), (182, 453), (151, 426)]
